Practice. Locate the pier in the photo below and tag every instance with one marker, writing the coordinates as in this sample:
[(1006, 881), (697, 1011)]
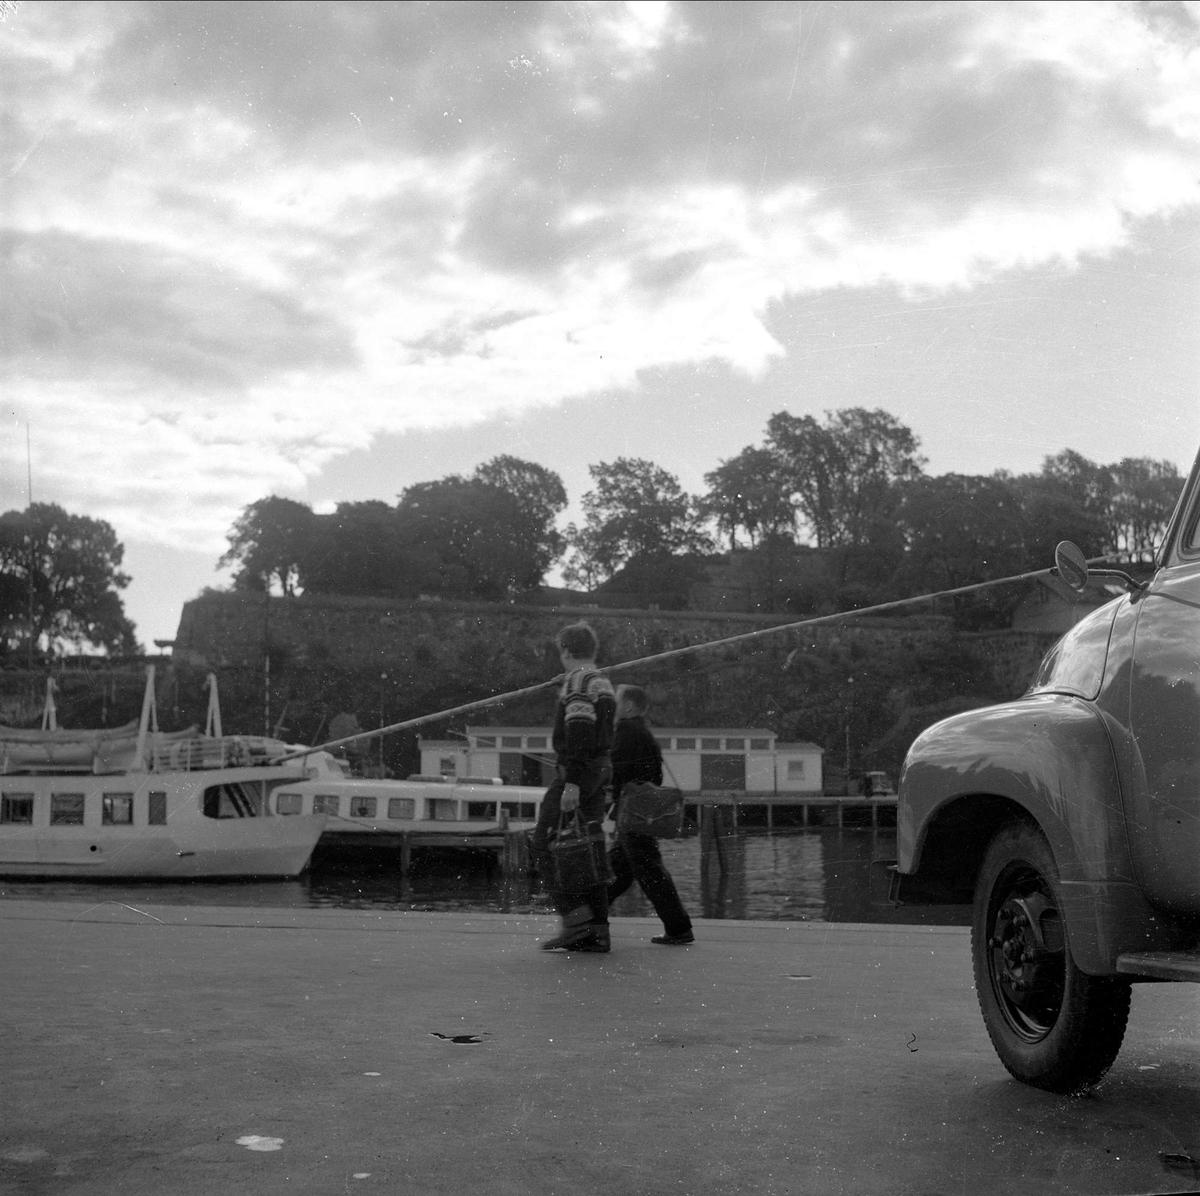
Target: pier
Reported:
[(722, 814), (187, 1050)]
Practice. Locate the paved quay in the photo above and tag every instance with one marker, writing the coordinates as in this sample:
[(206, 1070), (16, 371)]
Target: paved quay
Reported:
[(152, 1049)]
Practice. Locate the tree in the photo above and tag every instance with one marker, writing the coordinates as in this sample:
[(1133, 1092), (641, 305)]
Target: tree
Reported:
[(540, 497), (269, 542), (637, 509), (365, 548), (750, 493), (960, 529), (844, 476), (64, 570), (1144, 494), (481, 535)]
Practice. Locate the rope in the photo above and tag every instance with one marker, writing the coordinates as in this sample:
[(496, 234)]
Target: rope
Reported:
[(554, 682)]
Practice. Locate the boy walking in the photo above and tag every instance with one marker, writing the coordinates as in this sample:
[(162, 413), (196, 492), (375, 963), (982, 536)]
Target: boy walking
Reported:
[(582, 740), (636, 756)]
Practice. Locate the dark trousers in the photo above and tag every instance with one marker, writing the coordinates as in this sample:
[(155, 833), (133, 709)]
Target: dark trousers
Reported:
[(591, 809), (637, 857)]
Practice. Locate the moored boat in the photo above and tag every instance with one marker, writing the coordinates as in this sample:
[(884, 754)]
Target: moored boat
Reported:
[(367, 808), (110, 804)]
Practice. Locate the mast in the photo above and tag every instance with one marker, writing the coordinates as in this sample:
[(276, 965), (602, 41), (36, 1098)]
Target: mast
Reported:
[(148, 723), (212, 724)]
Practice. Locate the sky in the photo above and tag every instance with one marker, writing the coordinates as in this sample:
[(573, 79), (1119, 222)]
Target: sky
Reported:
[(329, 250)]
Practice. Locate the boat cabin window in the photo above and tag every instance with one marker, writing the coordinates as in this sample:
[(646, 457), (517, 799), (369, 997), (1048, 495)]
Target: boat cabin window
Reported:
[(443, 809), (157, 809), (325, 803), (481, 809), (362, 807), (238, 799), (401, 807), (17, 808), (288, 803), (520, 809), (116, 809), (66, 809)]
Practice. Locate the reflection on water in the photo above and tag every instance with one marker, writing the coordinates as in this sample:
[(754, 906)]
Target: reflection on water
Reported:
[(813, 875)]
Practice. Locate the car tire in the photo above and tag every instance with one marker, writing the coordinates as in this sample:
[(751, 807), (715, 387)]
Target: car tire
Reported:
[(1053, 1026)]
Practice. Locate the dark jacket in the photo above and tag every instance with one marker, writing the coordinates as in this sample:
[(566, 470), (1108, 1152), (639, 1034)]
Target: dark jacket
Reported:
[(636, 755)]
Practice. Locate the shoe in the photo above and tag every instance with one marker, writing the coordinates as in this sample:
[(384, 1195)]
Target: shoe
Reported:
[(597, 943), (675, 940), (576, 928), (571, 939)]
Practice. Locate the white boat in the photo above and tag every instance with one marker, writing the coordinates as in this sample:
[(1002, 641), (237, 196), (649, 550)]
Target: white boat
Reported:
[(366, 808), (112, 804)]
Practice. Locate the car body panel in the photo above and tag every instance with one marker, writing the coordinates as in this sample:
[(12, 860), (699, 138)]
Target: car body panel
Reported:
[(1102, 754)]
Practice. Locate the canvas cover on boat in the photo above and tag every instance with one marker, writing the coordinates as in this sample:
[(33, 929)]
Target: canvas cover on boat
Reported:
[(103, 750)]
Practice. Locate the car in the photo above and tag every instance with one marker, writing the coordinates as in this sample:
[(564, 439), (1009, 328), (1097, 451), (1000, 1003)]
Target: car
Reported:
[(1069, 819)]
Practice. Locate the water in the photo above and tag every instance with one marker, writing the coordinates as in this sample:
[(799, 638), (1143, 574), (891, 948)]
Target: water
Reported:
[(790, 876)]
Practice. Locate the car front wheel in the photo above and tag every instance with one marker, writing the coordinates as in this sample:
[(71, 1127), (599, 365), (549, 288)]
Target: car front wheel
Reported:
[(1052, 1025)]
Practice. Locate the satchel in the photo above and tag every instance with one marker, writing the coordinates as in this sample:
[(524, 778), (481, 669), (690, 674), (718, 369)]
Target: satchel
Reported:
[(578, 856), (648, 809)]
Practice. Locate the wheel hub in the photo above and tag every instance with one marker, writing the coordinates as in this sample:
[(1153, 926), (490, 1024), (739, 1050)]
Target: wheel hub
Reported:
[(1027, 956)]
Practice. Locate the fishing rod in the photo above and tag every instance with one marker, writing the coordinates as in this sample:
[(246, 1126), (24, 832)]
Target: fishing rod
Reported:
[(554, 682)]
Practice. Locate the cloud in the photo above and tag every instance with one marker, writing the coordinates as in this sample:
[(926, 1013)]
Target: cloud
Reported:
[(244, 238)]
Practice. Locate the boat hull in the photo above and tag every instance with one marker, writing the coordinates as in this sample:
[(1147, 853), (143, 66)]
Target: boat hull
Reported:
[(187, 844)]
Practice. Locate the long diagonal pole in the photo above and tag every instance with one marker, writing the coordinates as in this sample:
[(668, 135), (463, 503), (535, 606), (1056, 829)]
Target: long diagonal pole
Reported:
[(499, 699)]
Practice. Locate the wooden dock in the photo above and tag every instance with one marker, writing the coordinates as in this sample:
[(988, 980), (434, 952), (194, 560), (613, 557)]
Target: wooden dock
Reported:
[(753, 811), (712, 816)]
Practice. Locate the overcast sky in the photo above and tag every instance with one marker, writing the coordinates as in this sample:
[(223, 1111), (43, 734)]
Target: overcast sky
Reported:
[(328, 250)]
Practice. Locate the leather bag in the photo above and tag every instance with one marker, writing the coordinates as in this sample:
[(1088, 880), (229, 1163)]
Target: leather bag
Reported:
[(578, 856), (648, 809)]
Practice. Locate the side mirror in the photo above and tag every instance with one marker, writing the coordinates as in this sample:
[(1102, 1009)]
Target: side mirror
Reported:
[(1071, 564), (1072, 567)]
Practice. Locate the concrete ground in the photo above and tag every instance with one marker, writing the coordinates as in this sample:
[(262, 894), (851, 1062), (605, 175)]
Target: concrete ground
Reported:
[(157, 1049)]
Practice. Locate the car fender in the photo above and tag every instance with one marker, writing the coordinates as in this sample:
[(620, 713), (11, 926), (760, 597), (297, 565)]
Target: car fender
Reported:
[(1047, 759)]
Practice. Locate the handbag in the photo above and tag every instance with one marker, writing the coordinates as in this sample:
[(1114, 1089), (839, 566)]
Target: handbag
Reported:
[(648, 809), (578, 856)]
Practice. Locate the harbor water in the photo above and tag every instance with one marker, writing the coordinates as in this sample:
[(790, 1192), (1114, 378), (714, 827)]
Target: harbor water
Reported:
[(804, 876)]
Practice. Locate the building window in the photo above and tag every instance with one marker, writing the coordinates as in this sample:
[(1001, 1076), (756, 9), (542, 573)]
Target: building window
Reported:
[(116, 809), (735, 745), (687, 744), (485, 741), (447, 765), (401, 807), (510, 741), (710, 745), (722, 772), (288, 803), (362, 807), (537, 741), (17, 808), (795, 770), (157, 808), (760, 745), (325, 803), (66, 809)]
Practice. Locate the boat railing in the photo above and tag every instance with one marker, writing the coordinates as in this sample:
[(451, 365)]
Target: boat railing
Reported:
[(200, 752)]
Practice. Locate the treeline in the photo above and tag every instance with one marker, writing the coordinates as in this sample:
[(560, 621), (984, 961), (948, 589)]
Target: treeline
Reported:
[(821, 515)]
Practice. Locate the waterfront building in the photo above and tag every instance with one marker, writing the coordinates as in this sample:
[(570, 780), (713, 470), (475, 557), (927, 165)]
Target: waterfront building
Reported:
[(701, 759)]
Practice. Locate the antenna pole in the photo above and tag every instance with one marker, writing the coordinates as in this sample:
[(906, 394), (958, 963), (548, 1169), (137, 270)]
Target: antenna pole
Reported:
[(29, 517)]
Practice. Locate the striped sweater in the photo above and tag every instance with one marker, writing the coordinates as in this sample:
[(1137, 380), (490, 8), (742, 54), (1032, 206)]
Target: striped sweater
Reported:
[(583, 722)]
